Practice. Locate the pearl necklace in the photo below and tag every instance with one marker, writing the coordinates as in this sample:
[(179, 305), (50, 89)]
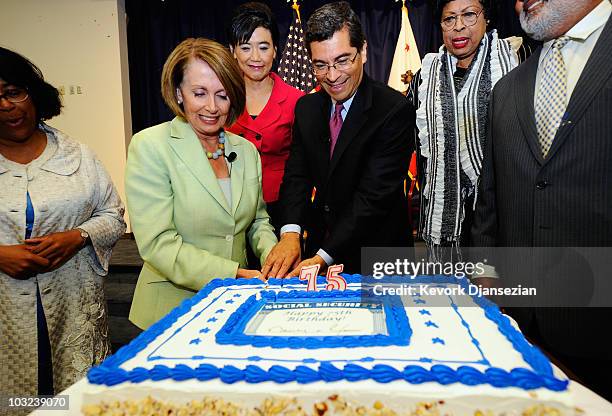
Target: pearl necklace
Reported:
[(220, 148)]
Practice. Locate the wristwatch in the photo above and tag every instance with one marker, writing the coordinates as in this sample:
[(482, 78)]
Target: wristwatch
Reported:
[(84, 236)]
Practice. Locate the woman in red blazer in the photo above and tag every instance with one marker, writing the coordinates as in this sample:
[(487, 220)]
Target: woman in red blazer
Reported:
[(268, 117)]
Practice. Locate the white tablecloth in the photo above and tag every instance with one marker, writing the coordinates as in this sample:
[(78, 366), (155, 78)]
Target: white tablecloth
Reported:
[(585, 399)]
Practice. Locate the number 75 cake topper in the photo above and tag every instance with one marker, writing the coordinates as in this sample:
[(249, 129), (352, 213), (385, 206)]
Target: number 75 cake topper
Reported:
[(333, 278)]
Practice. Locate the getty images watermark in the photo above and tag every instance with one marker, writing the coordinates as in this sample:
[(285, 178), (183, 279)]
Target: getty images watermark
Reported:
[(430, 279), (427, 289), (406, 267), (518, 276), (459, 270)]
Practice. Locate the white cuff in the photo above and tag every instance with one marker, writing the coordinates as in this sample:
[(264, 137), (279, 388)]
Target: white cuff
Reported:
[(326, 257), (291, 228)]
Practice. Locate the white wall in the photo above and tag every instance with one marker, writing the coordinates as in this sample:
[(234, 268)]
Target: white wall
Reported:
[(79, 43)]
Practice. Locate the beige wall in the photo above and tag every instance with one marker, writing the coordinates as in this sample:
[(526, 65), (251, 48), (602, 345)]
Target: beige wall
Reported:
[(79, 45)]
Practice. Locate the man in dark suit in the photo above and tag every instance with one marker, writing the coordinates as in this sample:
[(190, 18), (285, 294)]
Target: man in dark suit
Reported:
[(351, 142), (547, 176)]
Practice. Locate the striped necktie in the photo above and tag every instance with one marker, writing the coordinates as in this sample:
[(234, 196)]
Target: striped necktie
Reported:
[(550, 102)]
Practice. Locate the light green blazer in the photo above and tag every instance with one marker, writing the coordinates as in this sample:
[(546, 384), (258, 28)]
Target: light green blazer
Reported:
[(186, 232)]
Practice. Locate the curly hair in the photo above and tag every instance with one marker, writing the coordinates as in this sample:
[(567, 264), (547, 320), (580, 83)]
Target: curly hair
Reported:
[(439, 8)]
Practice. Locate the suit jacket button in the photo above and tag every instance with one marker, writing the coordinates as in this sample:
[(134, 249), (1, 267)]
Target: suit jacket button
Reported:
[(326, 208), (229, 238), (542, 184), (258, 136)]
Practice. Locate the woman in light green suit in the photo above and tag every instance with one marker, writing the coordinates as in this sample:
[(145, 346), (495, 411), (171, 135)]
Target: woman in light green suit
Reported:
[(194, 190)]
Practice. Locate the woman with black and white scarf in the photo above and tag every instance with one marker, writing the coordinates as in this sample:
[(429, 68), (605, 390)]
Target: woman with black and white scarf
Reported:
[(451, 92)]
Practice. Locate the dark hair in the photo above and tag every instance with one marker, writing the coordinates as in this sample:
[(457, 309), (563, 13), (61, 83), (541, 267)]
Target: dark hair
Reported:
[(441, 3), (20, 72), (331, 18), (248, 17)]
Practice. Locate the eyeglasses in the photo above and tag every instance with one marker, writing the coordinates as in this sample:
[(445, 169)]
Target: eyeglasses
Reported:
[(341, 64), (468, 18), (15, 95)]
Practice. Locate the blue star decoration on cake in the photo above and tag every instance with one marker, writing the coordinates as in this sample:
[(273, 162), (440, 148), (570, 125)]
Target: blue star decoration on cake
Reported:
[(437, 340), (237, 295), (229, 301), (419, 301), (220, 311), (213, 319), (534, 368)]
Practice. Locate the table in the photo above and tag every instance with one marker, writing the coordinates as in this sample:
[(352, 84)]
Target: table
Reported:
[(585, 399)]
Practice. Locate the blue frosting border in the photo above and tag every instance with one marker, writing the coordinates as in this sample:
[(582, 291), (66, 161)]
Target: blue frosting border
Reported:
[(232, 333), (540, 376)]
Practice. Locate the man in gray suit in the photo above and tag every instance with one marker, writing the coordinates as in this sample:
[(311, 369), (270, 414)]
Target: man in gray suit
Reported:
[(547, 174)]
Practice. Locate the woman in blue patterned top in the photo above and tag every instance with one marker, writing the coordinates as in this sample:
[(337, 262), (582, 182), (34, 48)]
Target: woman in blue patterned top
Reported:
[(60, 216)]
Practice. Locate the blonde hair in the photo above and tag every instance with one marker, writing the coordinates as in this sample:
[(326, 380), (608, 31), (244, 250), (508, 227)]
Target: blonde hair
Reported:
[(221, 62)]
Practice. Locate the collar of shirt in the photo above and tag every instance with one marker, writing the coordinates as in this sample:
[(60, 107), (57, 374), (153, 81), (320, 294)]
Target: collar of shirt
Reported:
[(584, 35), (346, 106), (585, 27)]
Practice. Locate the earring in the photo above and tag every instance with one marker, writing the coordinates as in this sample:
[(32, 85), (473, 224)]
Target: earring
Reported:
[(179, 102)]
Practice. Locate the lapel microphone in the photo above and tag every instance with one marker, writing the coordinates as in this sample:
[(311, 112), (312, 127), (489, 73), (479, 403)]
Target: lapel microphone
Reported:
[(230, 159)]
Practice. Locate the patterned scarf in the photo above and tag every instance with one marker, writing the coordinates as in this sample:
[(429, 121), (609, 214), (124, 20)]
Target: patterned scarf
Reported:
[(452, 128)]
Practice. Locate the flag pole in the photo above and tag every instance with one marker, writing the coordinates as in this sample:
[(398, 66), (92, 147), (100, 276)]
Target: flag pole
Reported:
[(296, 7)]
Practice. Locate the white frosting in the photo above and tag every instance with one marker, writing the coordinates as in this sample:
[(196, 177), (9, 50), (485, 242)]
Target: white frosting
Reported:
[(194, 336), (313, 322), (469, 338)]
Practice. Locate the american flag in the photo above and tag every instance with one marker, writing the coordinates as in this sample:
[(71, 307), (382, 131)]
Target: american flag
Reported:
[(294, 66)]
